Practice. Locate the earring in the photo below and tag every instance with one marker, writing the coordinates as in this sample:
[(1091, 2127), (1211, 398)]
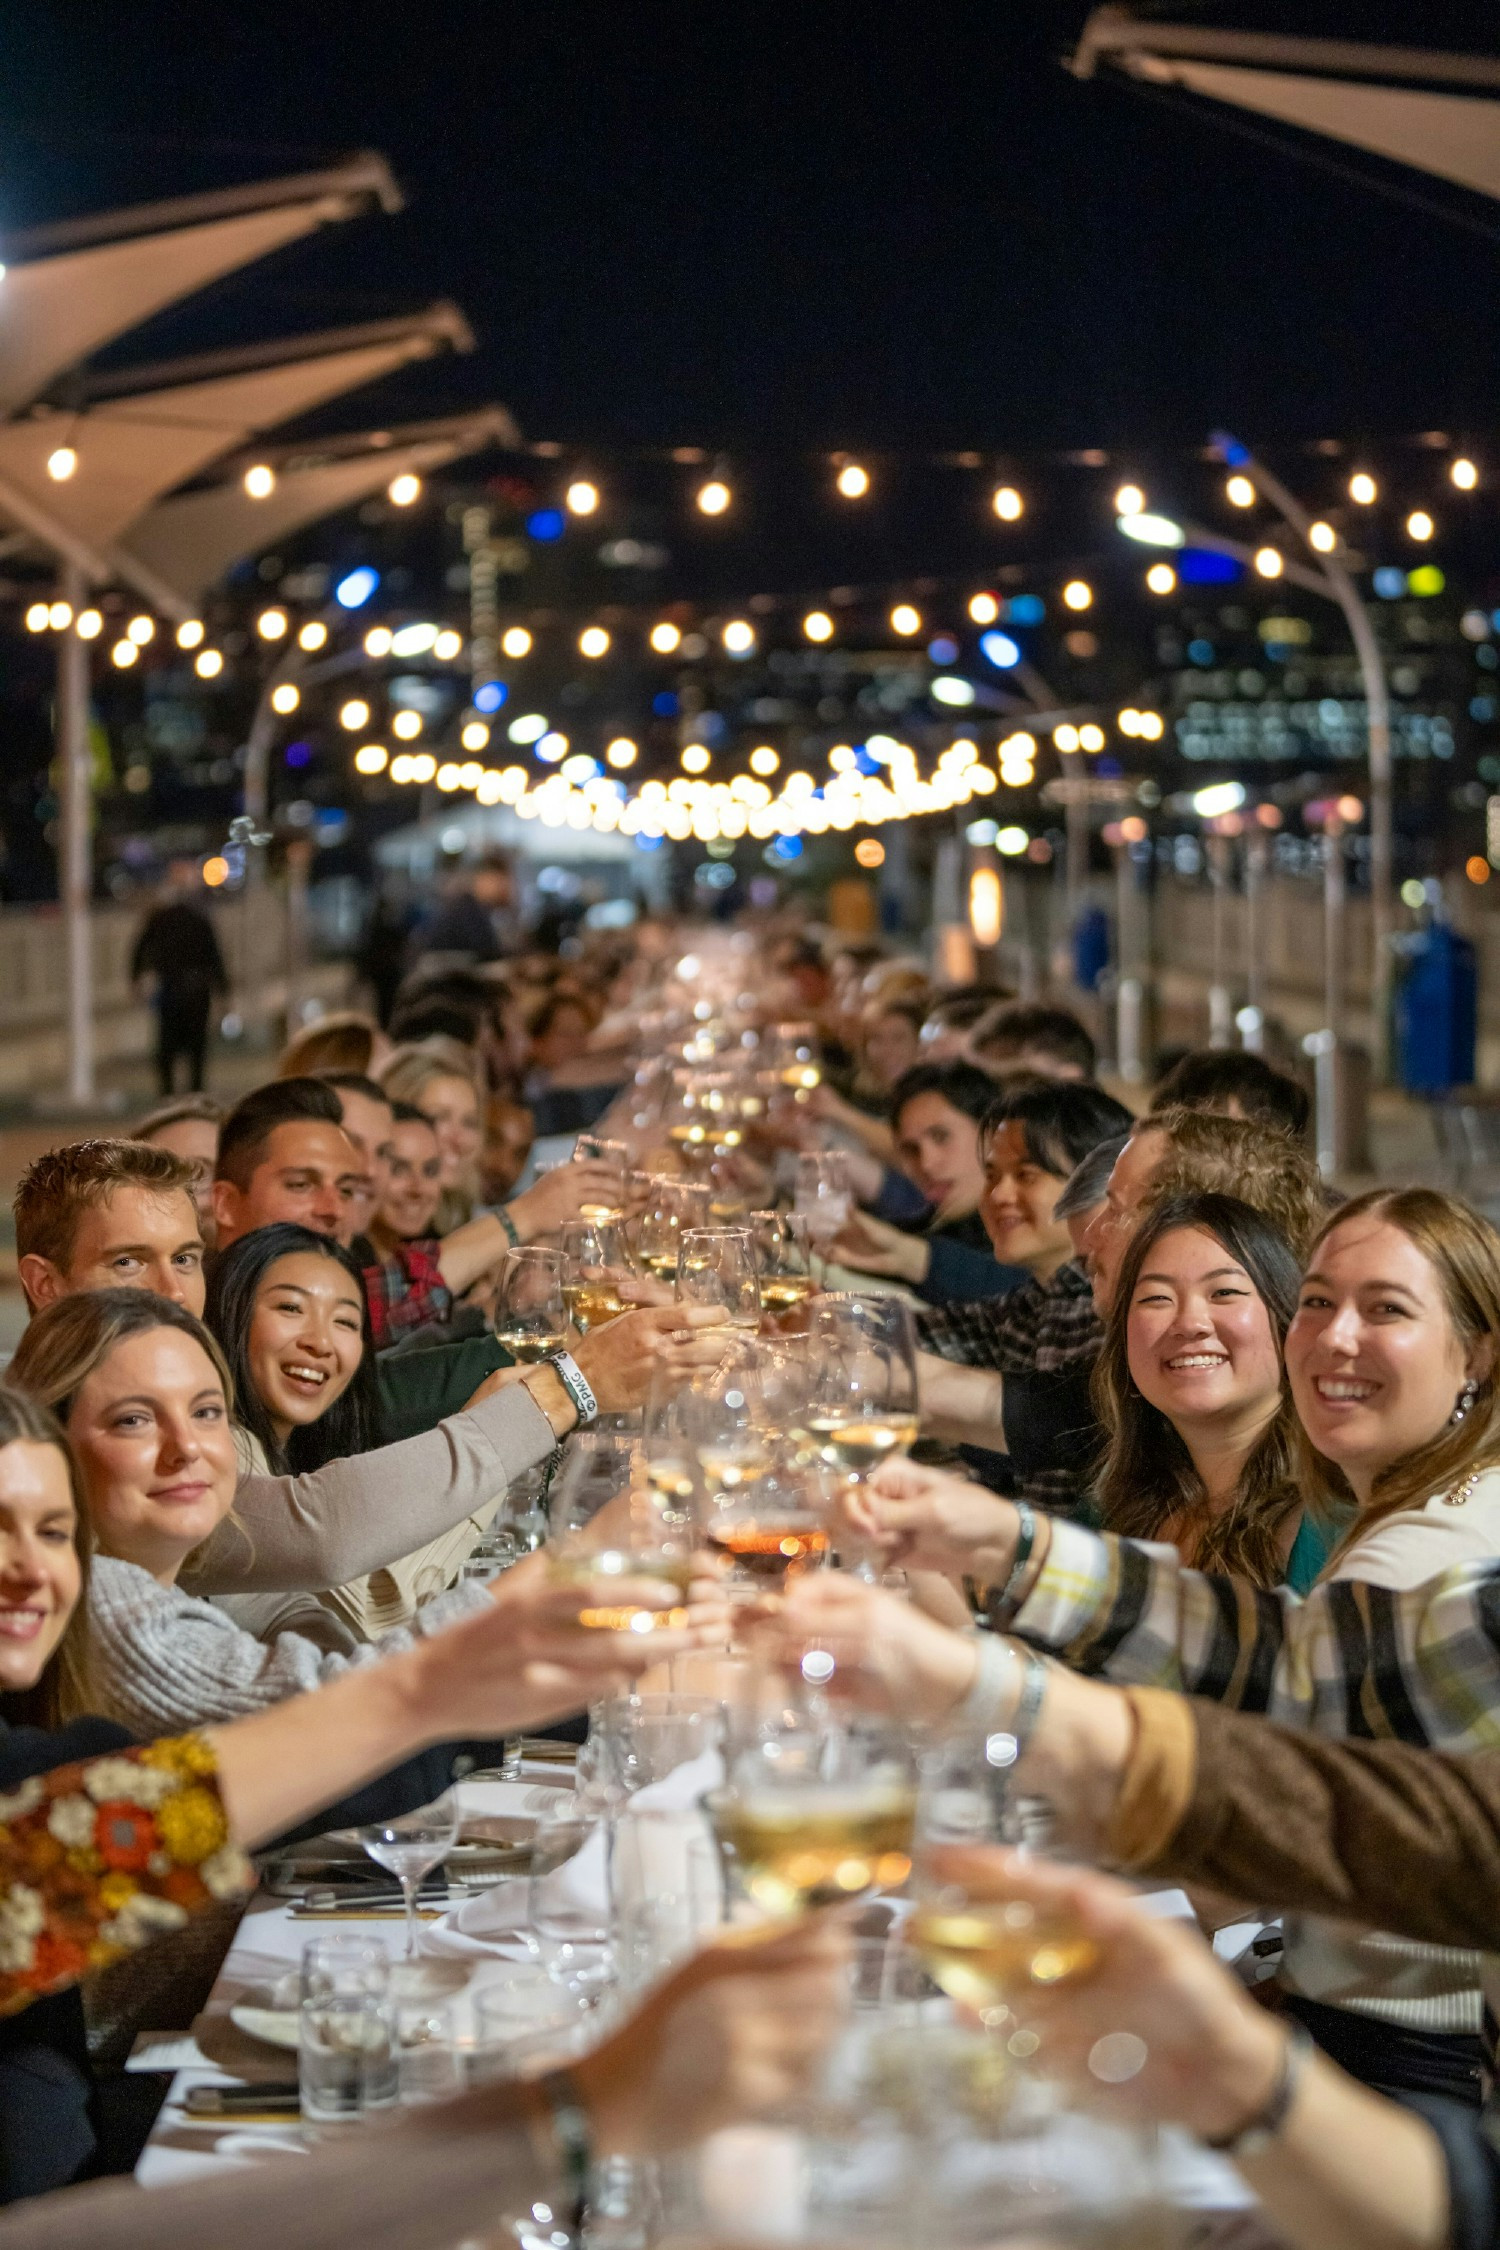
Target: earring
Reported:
[(1466, 1398)]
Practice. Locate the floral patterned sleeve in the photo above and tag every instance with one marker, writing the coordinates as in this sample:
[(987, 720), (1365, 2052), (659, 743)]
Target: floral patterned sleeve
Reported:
[(99, 1857)]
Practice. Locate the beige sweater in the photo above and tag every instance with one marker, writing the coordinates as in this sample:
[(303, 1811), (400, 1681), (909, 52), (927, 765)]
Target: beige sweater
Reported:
[(360, 1515)]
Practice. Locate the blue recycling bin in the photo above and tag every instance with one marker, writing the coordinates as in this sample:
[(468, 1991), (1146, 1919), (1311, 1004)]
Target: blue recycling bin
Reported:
[(1437, 1009), (1090, 948)]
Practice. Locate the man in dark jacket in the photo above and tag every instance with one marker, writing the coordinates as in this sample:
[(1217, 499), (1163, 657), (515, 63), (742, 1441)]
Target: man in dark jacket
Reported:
[(178, 949)]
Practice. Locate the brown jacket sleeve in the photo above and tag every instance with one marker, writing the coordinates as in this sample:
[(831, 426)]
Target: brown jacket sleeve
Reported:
[(1379, 1832)]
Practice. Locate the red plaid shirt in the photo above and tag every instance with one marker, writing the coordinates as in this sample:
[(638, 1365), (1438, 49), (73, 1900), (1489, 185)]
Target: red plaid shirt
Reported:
[(406, 1291)]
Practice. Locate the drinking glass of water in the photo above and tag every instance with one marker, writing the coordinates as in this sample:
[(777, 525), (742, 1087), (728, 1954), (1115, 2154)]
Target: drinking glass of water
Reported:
[(346, 2038), (410, 1846)]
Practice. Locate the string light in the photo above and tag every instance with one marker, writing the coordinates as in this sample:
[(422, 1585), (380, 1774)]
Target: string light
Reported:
[(853, 482), (1091, 737), (377, 643), (371, 757), (1065, 737), (407, 725), (190, 633), (1419, 524), (141, 630), (1323, 537), (60, 617), (1078, 594), (714, 497), (475, 736), (208, 664), (515, 641), (1269, 562), (593, 641), (738, 636), (448, 645), (285, 698), (1463, 473), (696, 759), (422, 767), (125, 653), (260, 480), (666, 637), (61, 463), (90, 624), (36, 618), (1007, 503), (313, 635), (906, 620), (405, 490), (1129, 500), (216, 871), (272, 624), (621, 753), (1240, 492), (817, 625), (870, 852), (1161, 578), (581, 497), (1363, 490), (764, 760)]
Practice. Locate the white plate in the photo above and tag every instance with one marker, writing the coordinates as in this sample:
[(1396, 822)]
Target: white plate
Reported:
[(276, 2026)]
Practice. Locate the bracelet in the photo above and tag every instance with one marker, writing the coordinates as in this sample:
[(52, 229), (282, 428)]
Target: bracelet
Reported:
[(570, 2129), (1010, 1744), (995, 1606), (576, 1384), (1256, 2136), (509, 1224)]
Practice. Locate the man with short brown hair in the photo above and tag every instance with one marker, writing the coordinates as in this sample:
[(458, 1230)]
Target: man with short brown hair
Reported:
[(284, 1154), (108, 1215)]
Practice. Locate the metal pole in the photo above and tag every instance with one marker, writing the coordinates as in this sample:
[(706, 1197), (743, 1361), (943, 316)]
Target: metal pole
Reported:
[(1252, 1017), (1333, 924), (1378, 725), (76, 859), (1220, 1007), (1129, 991), (1078, 848)]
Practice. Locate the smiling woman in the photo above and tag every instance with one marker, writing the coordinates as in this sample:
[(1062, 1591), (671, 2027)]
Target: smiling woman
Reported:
[(288, 1308)]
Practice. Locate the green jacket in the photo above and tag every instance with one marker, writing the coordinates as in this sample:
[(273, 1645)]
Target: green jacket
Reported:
[(422, 1386)]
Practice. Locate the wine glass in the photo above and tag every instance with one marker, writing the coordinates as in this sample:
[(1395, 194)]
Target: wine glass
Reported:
[(410, 1846), (781, 1256), (655, 1235), (984, 1951), (717, 1267), (822, 1198), (591, 1148), (815, 1813), (531, 1318), (592, 1255), (650, 1534), (864, 1380)]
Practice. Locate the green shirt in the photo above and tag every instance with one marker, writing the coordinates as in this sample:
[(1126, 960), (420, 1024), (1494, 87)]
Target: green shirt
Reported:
[(422, 1386)]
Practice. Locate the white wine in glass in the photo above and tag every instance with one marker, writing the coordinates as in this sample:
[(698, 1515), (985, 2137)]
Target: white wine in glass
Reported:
[(861, 1442), (989, 1953), (818, 1845), (530, 1318)]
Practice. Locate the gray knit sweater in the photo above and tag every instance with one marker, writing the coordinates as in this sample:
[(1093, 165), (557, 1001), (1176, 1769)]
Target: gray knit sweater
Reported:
[(164, 1662)]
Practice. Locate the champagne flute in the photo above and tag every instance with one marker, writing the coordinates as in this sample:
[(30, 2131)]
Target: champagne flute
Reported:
[(592, 1255), (591, 1148), (410, 1846), (717, 1267), (984, 1951), (531, 1319)]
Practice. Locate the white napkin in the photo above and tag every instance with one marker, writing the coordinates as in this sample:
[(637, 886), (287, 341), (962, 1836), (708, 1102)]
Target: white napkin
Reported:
[(496, 1923)]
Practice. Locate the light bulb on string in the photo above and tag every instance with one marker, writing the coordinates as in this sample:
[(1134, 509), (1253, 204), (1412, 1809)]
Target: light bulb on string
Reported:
[(1419, 525), (285, 698), (852, 481), (1269, 562), (404, 491), (984, 609), (313, 635), (1129, 500), (1239, 492), (581, 497), (515, 641), (1007, 503), (1363, 490), (713, 498), (260, 480), (817, 625), (905, 620), (1322, 537), (190, 633), (1078, 594), (62, 462), (1463, 473), (666, 637), (593, 641)]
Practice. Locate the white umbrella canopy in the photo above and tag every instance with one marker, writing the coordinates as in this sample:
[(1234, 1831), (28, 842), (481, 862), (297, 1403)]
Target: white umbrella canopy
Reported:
[(1315, 84), (190, 542), (70, 289), (132, 450)]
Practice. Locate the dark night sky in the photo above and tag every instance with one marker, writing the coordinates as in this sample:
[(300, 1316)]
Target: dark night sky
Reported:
[(780, 225)]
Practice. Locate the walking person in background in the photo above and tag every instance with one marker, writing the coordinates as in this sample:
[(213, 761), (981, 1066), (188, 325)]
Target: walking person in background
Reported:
[(178, 950)]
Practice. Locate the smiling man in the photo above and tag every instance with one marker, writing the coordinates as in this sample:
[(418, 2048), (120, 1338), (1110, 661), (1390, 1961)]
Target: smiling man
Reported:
[(108, 1215), (284, 1154)]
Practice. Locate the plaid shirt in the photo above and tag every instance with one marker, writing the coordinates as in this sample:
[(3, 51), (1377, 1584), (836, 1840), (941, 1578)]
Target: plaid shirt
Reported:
[(1351, 1658), (1042, 1328), (406, 1291)]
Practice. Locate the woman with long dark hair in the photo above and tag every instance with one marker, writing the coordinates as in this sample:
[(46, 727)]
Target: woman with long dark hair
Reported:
[(1191, 1389), (288, 1308)]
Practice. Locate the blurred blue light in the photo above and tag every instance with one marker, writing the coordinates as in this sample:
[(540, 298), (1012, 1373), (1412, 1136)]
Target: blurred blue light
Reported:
[(1202, 566), (785, 848), (1200, 652), (1233, 451), (864, 761), (547, 523), (1389, 583), (1000, 649), (644, 843), (355, 590), (1025, 609), (299, 753), (490, 696), (943, 649), (665, 704)]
